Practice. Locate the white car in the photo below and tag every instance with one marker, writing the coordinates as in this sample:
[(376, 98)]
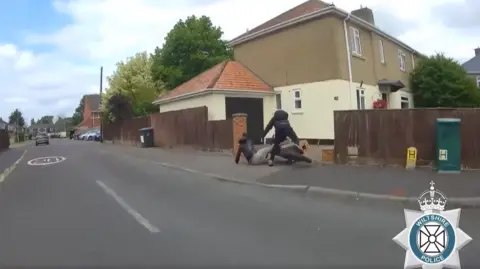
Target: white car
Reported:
[(84, 135)]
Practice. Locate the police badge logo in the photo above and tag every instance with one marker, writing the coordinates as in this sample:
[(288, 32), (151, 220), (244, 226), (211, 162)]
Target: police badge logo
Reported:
[(432, 238)]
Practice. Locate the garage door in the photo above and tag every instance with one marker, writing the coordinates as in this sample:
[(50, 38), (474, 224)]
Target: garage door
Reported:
[(253, 107)]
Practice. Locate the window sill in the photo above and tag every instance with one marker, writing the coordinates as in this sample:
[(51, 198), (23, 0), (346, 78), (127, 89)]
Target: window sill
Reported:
[(297, 112), (358, 56)]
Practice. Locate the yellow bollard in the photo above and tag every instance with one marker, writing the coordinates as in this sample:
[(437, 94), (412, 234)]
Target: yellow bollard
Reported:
[(411, 162)]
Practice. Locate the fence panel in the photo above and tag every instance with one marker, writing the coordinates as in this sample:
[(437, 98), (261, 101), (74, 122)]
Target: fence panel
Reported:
[(126, 131), (4, 140), (382, 136)]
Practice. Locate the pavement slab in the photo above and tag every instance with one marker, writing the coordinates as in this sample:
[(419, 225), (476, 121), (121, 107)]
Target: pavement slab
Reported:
[(94, 209), (393, 181)]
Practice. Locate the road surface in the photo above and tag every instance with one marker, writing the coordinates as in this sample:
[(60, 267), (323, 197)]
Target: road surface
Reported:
[(99, 209)]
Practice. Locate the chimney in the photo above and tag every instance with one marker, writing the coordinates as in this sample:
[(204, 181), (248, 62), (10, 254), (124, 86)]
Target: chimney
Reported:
[(365, 14), (477, 52)]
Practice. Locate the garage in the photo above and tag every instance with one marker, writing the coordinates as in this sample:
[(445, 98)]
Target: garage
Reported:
[(253, 107)]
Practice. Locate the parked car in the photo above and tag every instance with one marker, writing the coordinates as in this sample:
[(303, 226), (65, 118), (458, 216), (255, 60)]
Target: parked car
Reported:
[(83, 136), (98, 136), (42, 138), (92, 135)]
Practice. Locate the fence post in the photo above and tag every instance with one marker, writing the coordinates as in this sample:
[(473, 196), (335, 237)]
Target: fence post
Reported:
[(239, 122)]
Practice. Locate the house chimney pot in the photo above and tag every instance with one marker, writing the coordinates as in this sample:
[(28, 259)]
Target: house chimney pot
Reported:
[(477, 52), (365, 14)]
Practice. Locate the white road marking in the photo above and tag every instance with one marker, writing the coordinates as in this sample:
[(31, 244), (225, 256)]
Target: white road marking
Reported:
[(46, 160), (139, 218)]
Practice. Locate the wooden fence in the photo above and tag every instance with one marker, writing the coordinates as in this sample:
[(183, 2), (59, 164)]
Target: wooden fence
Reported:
[(127, 131), (382, 136), (4, 140), (191, 127), (187, 127)]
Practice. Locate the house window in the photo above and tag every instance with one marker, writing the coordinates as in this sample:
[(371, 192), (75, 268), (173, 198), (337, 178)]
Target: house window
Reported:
[(355, 41), (297, 97), (478, 81), (404, 102), (382, 54), (402, 59), (95, 115), (278, 98), (360, 98)]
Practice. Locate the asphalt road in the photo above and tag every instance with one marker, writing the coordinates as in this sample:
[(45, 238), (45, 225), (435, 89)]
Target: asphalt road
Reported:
[(101, 209), (9, 156)]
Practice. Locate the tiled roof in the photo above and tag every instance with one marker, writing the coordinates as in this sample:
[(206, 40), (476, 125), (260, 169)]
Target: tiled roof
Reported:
[(93, 101), (302, 9), (227, 75), (472, 65)]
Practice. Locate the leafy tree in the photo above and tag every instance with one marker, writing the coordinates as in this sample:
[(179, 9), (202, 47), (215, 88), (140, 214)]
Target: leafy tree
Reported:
[(16, 118), (32, 121), (118, 107), (45, 120), (77, 117), (438, 81), (191, 47), (131, 82)]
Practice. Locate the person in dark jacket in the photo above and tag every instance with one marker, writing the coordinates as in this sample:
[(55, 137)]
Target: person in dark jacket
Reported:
[(283, 129)]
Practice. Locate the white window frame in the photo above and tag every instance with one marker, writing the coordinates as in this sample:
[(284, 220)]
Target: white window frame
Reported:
[(355, 41), (404, 100), (360, 96), (382, 52), (478, 81), (95, 115), (402, 58), (297, 100)]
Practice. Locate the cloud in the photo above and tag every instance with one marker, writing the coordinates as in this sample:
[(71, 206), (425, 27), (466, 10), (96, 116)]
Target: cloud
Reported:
[(103, 32), (463, 15), (390, 23)]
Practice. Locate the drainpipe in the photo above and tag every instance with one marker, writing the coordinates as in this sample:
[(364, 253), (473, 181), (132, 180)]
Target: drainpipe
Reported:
[(349, 58), (413, 60)]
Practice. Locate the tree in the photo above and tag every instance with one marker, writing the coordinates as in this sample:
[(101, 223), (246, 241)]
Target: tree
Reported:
[(131, 82), (45, 120), (438, 81), (77, 116), (16, 118), (117, 108), (191, 47), (32, 121)]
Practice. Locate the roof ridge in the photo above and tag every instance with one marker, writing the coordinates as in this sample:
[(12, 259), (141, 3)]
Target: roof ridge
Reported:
[(255, 75), (265, 25), (214, 80)]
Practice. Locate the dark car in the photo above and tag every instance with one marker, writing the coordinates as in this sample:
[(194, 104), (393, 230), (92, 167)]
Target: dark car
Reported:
[(42, 138), (98, 136)]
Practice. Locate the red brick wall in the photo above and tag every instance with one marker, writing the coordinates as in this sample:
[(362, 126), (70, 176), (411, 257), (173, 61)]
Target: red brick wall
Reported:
[(88, 120)]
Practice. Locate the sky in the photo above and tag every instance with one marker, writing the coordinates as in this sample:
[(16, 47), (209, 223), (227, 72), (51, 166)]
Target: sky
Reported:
[(51, 51)]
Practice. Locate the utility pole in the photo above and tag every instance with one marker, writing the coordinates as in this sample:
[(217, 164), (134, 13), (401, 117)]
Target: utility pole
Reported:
[(101, 99), (16, 129)]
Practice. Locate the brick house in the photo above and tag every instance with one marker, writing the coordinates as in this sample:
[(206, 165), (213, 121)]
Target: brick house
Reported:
[(91, 112)]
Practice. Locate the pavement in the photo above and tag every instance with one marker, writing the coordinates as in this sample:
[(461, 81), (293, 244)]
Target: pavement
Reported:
[(101, 208), (340, 181)]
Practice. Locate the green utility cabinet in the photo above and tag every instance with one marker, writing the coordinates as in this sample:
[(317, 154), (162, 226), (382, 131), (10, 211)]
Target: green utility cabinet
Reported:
[(448, 146)]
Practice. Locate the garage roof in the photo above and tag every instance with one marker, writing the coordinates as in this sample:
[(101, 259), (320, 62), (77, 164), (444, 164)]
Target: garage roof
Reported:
[(227, 75)]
